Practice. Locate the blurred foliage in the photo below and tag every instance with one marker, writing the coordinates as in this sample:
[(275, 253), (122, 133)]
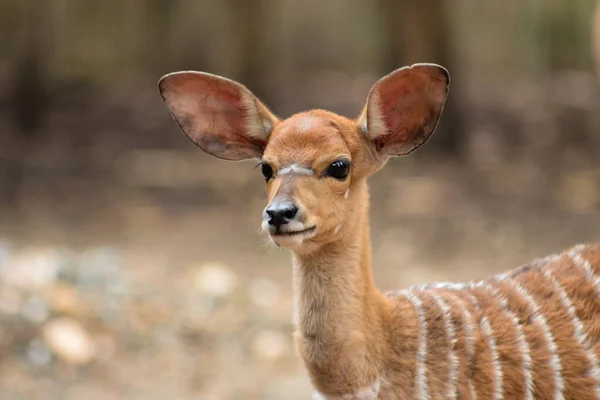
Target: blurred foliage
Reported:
[(280, 48), (270, 42)]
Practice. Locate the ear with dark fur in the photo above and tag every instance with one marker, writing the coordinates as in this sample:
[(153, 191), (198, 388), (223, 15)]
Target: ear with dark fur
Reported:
[(220, 116), (403, 108)]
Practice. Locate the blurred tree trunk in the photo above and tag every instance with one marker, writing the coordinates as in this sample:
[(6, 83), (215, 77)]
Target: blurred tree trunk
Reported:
[(595, 39), (565, 34), (249, 23), (29, 91), (159, 20), (29, 100), (419, 31)]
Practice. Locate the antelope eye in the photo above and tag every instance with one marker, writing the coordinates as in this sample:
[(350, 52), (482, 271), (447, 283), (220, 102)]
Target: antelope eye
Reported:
[(267, 171), (339, 169)]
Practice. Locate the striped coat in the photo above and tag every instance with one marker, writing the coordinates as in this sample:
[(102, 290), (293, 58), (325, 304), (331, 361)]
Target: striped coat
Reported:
[(531, 333)]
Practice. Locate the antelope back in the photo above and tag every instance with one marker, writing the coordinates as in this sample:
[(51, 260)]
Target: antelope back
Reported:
[(531, 333)]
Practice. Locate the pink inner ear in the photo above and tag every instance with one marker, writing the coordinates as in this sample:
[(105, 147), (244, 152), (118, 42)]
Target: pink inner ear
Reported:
[(409, 103), (215, 114)]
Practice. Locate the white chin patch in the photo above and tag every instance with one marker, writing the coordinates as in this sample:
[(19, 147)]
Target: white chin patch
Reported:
[(265, 226), (288, 240)]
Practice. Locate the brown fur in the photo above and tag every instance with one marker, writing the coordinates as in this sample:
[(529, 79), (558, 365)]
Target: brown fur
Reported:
[(354, 340), (457, 310), (505, 339), (437, 363)]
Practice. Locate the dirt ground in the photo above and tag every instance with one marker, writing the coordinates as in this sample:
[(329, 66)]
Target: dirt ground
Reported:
[(131, 265)]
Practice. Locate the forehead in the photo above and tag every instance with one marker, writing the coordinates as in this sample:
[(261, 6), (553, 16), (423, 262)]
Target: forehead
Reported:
[(306, 139)]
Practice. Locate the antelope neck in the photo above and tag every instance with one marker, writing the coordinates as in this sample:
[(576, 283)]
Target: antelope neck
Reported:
[(332, 287), (337, 307)]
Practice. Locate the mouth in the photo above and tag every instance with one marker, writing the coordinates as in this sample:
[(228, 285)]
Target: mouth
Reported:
[(294, 233)]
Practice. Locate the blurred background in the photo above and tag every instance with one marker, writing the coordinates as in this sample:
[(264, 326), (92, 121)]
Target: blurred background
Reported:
[(131, 266)]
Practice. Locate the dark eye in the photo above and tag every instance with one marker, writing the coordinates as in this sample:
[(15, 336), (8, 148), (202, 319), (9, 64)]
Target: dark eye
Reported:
[(339, 169), (267, 171)]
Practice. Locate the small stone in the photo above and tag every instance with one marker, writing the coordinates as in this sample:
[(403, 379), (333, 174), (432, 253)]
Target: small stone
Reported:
[(5, 251), (69, 341), (31, 268), (98, 267), (10, 300), (35, 309), (105, 347), (269, 345), (264, 292), (215, 279), (65, 299), (38, 354)]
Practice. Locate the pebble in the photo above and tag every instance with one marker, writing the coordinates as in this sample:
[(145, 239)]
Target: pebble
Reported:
[(10, 300), (35, 309), (69, 341), (65, 299), (38, 354), (5, 250), (31, 268), (215, 279), (106, 347), (99, 267)]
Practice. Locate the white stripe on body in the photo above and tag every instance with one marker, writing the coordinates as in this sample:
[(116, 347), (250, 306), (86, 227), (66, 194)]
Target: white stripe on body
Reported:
[(575, 255), (487, 329), (421, 383), (580, 333), (442, 285), (555, 363), (451, 338), (536, 263), (469, 324), (521, 338), (469, 328)]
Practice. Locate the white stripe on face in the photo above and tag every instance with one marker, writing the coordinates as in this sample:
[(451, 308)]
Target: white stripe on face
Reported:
[(295, 169), (307, 123)]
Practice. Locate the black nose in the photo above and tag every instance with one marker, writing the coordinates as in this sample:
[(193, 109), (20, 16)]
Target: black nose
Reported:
[(280, 214)]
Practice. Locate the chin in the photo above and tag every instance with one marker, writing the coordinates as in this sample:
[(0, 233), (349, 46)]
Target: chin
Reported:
[(292, 240)]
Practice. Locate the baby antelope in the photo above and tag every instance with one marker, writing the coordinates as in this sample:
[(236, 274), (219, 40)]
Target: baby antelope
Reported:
[(533, 332)]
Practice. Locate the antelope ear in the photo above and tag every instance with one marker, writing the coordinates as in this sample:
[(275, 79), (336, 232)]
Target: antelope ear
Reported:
[(403, 108), (220, 116)]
